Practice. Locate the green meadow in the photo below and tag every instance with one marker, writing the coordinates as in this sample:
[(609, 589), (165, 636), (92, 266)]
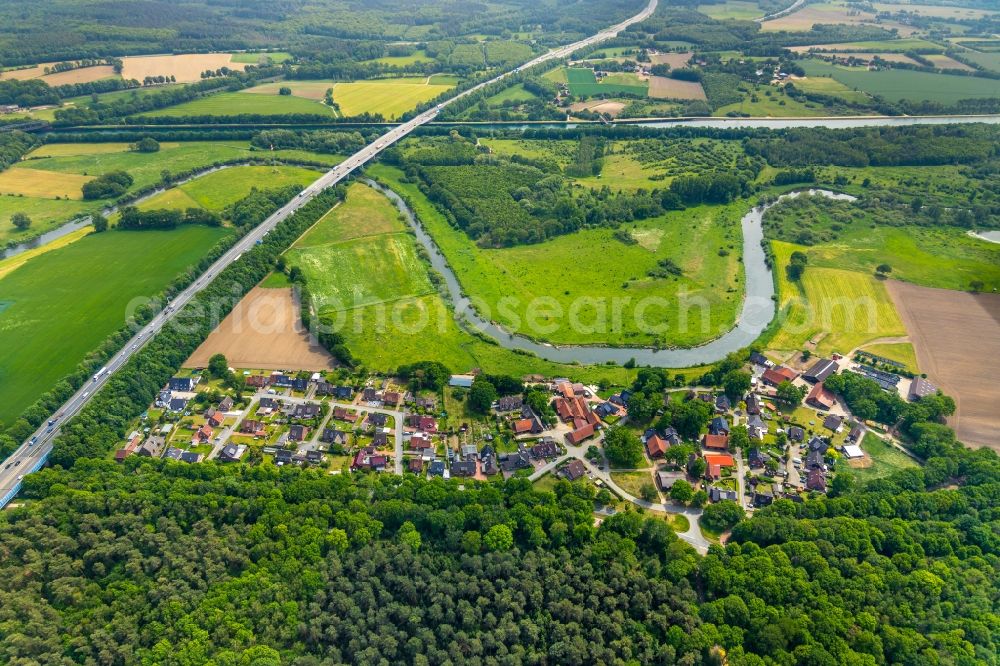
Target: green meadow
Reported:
[(900, 84), (238, 103), (63, 304), (574, 272)]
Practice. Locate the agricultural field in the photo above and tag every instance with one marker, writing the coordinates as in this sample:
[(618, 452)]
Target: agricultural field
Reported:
[(417, 57), (739, 10), (829, 86), (78, 75), (833, 310), (883, 46), (365, 212), (185, 68), (662, 87), (572, 270), (933, 11), (263, 331), (40, 184), (987, 60), (515, 93), (582, 82), (244, 102), (85, 287), (954, 335), (942, 61), (216, 190), (389, 97), (257, 58), (835, 13), (898, 84)]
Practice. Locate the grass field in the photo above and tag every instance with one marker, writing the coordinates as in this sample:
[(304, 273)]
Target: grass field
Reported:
[(390, 97), (255, 58), (237, 103), (989, 61), (364, 212), (834, 310), (632, 482), (418, 56), (833, 12), (515, 93), (830, 86), (42, 184), (574, 271), (883, 459), (65, 302), (45, 214), (766, 101), (902, 352), (582, 82), (898, 84), (740, 10)]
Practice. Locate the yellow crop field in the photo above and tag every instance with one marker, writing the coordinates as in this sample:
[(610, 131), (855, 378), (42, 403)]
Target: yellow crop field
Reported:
[(42, 184), (186, 68), (390, 97), (833, 310)]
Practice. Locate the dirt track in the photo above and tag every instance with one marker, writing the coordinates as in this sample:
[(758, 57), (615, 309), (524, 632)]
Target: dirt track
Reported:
[(957, 339), (263, 332)]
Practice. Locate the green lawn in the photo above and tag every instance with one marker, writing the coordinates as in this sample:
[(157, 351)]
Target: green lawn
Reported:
[(417, 56), (216, 190), (515, 93), (364, 212), (574, 271), (632, 482), (63, 304), (899, 84), (582, 82), (885, 459), (237, 103)]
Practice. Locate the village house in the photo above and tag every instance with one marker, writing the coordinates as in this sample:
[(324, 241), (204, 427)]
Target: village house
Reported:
[(527, 427), (656, 446), (509, 403), (268, 406), (232, 452), (758, 359), (821, 397), (717, 494), (306, 411), (722, 404), (183, 384), (463, 468), (380, 440), (469, 451), (920, 388), (391, 398), (298, 433), (776, 375), (214, 417), (816, 480), (191, 457), (666, 480), (715, 442), (796, 434), (437, 468), (753, 404), (573, 471), (820, 370), (756, 427), (334, 436), (256, 381), (131, 445), (580, 434), (369, 395), (719, 426), (377, 420), (152, 447), (415, 465), (368, 459), (314, 457), (252, 427), (833, 422), (545, 449), (420, 441), (204, 434), (714, 462), (177, 404), (511, 462)]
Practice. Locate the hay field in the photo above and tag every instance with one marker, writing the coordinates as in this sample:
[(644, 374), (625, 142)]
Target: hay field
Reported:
[(957, 339), (829, 13), (79, 75), (42, 184), (263, 332), (314, 90), (599, 106), (675, 60), (662, 87), (390, 97), (947, 62), (187, 68)]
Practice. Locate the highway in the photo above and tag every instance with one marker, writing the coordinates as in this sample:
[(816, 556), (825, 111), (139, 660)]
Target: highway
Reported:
[(32, 454)]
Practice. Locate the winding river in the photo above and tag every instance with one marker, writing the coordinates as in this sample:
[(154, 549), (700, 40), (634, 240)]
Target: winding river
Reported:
[(757, 312)]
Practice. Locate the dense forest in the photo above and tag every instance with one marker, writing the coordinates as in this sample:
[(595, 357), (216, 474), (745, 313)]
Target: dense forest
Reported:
[(161, 562)]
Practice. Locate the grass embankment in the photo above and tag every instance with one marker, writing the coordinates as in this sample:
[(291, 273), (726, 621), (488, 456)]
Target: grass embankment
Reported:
[(60, 306)]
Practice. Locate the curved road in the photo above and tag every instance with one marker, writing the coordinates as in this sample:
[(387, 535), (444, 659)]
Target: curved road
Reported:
[(31, 455)]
